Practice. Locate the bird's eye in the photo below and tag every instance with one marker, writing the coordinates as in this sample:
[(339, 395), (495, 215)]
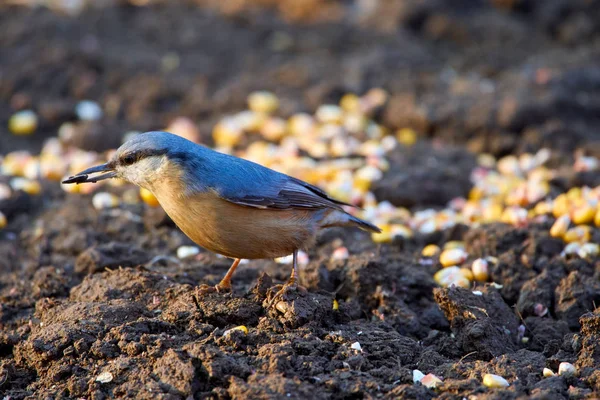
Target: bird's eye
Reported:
[(128, 159)]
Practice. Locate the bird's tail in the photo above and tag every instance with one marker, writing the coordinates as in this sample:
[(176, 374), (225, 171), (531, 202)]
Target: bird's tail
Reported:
[(340, 218)]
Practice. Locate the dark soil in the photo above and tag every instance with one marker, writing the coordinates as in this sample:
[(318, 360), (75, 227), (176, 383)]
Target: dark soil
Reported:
[(86, 292)]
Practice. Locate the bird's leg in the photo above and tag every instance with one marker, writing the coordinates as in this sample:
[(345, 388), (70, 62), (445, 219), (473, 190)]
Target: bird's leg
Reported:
[(225, 284), (292, 283)]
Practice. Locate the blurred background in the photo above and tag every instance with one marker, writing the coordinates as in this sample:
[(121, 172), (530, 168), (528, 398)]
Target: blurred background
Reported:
[(495, 75)]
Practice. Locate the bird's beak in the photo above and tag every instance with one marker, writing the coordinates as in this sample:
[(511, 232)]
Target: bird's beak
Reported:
[(83, 176)]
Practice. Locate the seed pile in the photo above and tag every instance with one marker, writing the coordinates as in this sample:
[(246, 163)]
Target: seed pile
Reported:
[(342, 149)]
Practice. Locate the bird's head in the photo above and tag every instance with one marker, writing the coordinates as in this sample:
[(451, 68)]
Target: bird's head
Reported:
[(142, 160)]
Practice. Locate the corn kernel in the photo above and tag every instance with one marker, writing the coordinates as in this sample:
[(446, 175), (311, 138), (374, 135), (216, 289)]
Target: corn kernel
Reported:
[(399, 230), (263, 102), (365, 176), (480, 268), (430, 381), (495, 381), (445, 276), (560, 226), (341, 253), (430, 250), (23, 122), (148, 198), (560, 205), (450, 257), (476, 193), (3, 221), (566, 369), (492, 213), (583, 215), (274, 129), (581, 233), (547, 373), (329, 114), (597, 218), (227, 133), (104, 200), (336, 305), (406, 137), (543, 207), (574, 193), (350, 102), (467, 274), (588, 250), (184, 127), (461, 281), (509, 166), (454, 244), (31, 187), (14, 163), (301, 124), (241, 328)]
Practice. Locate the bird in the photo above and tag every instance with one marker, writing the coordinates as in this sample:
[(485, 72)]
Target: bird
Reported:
[(225, 204)]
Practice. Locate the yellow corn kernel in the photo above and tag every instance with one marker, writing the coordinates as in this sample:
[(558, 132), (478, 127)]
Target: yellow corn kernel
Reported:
[(385, 236), (430, 250), (543, 207), (274, 129), (588, 250), (103, 200), (547, 373), (240, 328), (560, 226), (462, 282), (580, 233), (14, 163), (29, 186), (597, 218), (476, 193), (495, 381), (574, 193), (23, 122), (561, 205), (148, 198), (71, 188), (467, 274), (450, 257), (3, 220), (446, 275), (401, 231), (493, 212), (583, 215), (480, 268), (454, 244), (406, 136), (336, 305), (350, 102), (263, 102), (227, 133), (514, 216)]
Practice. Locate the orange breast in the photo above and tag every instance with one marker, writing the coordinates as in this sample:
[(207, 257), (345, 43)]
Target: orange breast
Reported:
[(233, 230)]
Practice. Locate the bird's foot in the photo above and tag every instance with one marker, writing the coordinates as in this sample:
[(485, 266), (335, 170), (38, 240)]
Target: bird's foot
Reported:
[(205, 289), (282, 290)]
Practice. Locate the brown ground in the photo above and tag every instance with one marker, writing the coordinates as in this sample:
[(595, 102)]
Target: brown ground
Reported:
[(79, 297)]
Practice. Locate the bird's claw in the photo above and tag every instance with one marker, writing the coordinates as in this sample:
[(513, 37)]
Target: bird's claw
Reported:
[(207, 289), (285, 288)]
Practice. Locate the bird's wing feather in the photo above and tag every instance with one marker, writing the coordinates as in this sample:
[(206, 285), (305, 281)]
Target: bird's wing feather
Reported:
[(252, 185), (292, 194)]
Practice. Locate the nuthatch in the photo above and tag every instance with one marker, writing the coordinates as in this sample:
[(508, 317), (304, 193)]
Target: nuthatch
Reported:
[(225, 204)]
